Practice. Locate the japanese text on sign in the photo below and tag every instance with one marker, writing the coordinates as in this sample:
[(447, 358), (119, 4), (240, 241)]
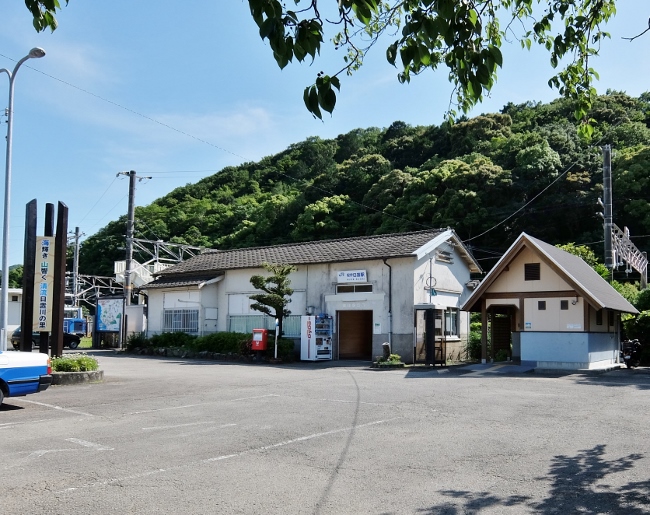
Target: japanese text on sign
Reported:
[(43, 284), (352, 276)]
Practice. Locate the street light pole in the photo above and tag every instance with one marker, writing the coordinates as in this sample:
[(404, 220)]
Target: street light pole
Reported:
[(34, 53)]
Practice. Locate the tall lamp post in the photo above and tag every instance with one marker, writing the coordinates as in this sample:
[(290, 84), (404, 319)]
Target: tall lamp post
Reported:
[(34, 53)]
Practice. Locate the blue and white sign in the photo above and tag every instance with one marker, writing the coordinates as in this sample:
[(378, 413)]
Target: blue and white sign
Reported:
[(352, 276)]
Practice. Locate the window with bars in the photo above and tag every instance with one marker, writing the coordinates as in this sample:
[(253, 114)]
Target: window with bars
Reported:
[(181, 320), (531, 272)]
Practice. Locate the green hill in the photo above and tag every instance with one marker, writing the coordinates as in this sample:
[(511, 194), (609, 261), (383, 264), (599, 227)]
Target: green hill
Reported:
[(488, 177)]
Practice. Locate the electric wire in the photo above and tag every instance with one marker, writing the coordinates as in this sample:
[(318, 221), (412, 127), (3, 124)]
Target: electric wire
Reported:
[(132, 111), (98, 200), (410, 222), (567, 170)]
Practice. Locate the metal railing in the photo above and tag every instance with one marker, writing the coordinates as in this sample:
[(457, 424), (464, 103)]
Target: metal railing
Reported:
[(246, 324)]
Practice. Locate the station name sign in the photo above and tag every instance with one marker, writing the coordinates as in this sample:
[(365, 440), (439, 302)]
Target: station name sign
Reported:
[(43, 284), (352, 276)]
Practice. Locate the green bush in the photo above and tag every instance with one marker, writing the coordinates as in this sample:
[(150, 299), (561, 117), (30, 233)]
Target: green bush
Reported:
[(74, 363), (474, 348), (501, 355), (285, 349), (172, 340), (392, 359), (638, 327), (137, 340), (220, 342)]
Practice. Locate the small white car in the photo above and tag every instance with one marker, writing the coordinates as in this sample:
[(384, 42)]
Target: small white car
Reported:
[(22, 373)]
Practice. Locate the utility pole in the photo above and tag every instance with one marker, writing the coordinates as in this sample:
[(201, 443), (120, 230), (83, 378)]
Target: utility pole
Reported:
[(619, 248), (75, 269), (607, 207), (130, 225)]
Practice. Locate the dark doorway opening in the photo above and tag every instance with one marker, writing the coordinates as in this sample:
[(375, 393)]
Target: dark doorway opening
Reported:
[(355, 335)]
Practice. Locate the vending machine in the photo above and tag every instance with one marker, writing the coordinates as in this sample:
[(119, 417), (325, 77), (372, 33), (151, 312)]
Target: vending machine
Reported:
[(316, 337)]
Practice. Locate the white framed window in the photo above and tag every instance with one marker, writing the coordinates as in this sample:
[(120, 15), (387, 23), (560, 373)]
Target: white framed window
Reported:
[(451, 323), (181, 320)]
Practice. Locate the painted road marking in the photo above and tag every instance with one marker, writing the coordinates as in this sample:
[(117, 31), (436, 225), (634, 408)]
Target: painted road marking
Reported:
[(92, 445), (155, 428), (59, 408), (163, 409), (10, 425), (201, 404), (227, 456)]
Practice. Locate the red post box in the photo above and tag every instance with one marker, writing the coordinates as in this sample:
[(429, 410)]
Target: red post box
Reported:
[(260, 339)]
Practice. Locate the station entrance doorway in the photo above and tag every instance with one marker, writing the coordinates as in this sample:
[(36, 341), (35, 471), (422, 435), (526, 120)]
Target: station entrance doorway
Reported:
[(430, 343), (355, 334)]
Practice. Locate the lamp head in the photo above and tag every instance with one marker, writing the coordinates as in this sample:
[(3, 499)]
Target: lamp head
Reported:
[(36, 53)]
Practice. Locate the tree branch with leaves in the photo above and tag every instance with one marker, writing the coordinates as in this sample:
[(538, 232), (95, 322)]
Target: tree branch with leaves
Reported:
[(276, 290), (464, 36)]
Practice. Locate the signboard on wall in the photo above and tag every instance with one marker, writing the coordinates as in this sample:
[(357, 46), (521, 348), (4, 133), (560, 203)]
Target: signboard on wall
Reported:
[(110, 312), (352, 276), (43, 284)]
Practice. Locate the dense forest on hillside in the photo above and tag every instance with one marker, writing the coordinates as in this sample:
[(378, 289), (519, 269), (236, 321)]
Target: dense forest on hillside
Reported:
[(489, 178)]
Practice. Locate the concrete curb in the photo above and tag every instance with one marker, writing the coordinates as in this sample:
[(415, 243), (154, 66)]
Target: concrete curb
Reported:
[(63, 378)]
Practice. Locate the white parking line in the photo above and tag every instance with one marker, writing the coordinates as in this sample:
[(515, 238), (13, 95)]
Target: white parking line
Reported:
[(163, 409), (96, 446), (154, 428), (227, 456), (201, 404), (355, 402), (10, 425), (58, 408)]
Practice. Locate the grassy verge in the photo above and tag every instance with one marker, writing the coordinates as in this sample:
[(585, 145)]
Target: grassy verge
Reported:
[(86, 343)]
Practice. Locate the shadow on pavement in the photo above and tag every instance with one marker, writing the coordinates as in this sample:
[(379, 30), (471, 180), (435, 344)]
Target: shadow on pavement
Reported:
[(577, 485)]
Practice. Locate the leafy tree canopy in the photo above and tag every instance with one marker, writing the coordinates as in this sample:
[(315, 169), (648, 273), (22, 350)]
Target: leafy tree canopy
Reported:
[(465, 37), (490, 178), (276, 290)]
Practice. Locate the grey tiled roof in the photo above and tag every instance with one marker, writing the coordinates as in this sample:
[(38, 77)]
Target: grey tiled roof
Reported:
[(326, 251), (584, 279), (582, 275), (175, 281)]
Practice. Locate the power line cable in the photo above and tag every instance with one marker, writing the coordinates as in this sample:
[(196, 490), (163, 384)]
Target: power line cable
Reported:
[(132, 111), (109, 212), (295, 179), (98, 200), (568, 169), (202, 140)]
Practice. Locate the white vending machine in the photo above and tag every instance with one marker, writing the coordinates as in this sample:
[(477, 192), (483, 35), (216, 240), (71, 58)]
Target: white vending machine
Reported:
[(316, 337)]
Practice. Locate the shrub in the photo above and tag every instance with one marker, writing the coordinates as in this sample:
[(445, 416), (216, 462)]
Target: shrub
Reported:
[(501, 355), (638, 327), (74, 363), (220, 342), (137, 340), (474, 348), (172, 340), (392, 359), (285, 349)]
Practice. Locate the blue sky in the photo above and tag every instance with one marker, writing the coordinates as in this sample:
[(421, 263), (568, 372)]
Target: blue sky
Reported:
[(178, 90)]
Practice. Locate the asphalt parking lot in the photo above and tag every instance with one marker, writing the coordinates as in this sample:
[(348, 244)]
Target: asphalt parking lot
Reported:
[(164, 435)]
